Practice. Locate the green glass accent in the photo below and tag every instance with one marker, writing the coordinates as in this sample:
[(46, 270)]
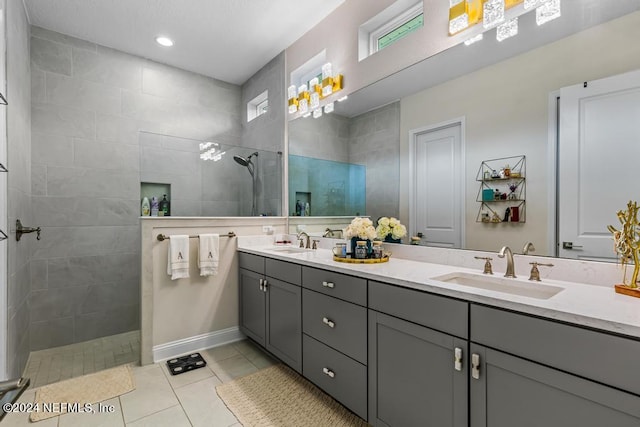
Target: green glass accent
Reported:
[(401, 31)]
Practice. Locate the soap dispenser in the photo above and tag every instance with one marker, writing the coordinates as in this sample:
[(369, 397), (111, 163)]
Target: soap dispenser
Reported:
[(165, 206), (146, 207)]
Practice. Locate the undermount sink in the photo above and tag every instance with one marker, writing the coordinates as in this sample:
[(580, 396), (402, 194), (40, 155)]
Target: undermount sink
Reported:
[(289, 249), (501, 284)]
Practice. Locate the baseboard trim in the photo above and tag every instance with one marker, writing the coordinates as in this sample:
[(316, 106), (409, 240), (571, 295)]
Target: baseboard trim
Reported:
[(196, 343)]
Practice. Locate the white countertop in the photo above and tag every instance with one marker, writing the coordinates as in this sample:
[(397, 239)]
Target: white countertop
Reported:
[(585, 305)]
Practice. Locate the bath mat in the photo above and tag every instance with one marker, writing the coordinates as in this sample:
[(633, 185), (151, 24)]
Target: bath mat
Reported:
[(52, 399), (277, 396)]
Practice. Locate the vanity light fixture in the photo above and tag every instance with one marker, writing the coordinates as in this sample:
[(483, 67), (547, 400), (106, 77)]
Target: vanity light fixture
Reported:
[(329, 108), (164, 41), (464, 14), (506, 30), (307, 99)]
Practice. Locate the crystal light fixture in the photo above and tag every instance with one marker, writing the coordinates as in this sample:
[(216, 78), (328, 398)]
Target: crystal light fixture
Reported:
[(548, 11), (506, 30), (458, 16), (317, 113), (303, 99), (493, 13), (327, 79), (314, 89), (528, 4), (292, 96), (329, 108)]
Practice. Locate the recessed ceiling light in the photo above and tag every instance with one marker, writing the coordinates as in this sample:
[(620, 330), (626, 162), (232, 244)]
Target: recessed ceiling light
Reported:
[(164, 41)]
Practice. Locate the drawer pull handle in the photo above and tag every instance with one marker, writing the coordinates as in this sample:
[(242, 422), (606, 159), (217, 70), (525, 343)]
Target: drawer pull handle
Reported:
[(262, 285), (330, 323), (458, 359), (329, 285), (475, 366), (328, 372)]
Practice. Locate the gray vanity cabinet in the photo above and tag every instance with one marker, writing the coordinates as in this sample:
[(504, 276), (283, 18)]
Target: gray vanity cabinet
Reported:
[(271, 306), (418, 376), (511, 391), (528, 371)]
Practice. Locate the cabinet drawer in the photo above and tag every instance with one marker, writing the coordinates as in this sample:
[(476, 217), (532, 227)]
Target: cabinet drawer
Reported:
[(605, 358), (337, 323), (434, 311), (348, 288), (283, 270), (251, 262), (340, 376)]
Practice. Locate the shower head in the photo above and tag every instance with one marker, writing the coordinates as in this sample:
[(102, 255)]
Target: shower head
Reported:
[(244, 162)]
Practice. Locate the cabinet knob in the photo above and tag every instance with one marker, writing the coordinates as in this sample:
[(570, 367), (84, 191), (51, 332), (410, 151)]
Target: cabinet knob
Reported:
[(328, 372), (329, 285), (475, 366), (330, 323)]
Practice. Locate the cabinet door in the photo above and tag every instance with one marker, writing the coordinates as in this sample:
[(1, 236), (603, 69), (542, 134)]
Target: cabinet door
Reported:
[(511, 391), (252, 306), (413, 378), (284, 322)]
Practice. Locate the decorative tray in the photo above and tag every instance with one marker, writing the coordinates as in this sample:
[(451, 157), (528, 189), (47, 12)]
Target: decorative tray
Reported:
[(362, 261)]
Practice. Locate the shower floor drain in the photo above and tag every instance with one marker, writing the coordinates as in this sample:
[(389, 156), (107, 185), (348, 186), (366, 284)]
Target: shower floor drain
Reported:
[(182, 364)]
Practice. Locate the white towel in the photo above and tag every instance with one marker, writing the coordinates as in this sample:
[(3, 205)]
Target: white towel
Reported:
[(178, 258), (209, 254)]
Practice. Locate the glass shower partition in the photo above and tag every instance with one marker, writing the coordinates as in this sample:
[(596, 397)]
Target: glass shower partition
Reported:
[(209, 178)]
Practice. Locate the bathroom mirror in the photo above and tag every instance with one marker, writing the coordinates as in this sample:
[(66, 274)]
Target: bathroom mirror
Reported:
[(504, 90)]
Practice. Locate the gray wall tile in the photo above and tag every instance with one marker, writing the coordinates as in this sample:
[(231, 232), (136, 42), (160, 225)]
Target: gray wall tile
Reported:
[(38, 179), (64, 121), (39, 275), (56, 303), (103, 155), (62, 38), (82, 94), (109, 67), (51, 150), (81, 241), (38, 93), (80, 182), (51, 333), (51, 56), (18, 143)]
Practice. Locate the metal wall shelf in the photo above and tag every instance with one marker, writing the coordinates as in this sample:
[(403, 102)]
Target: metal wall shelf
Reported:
[(511, 189)]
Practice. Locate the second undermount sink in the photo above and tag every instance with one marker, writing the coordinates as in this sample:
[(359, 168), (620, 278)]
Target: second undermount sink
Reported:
[(289, 249), (501, 284)]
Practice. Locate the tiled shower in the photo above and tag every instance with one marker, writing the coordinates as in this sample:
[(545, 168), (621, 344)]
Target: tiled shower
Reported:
[(81, 143)]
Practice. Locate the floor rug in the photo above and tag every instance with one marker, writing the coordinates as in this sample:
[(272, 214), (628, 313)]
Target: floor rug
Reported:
[(277, 396), (81, 393)]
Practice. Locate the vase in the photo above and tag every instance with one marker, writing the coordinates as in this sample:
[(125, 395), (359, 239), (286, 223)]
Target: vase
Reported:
[(354, 241), (389, 239)]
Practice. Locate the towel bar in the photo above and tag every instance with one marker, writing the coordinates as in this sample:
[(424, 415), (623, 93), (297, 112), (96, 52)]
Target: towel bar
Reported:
[(162, 237)]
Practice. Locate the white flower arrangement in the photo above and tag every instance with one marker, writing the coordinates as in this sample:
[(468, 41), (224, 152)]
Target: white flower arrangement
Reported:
[(360, 227), (390, 226)]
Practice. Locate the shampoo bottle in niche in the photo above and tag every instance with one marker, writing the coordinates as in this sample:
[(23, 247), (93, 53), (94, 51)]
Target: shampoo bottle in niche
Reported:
[(165, 206), (307, 209), (154, 206), (146, 207)]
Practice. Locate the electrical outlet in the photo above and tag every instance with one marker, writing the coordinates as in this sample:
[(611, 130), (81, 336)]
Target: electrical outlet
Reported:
[(301, 227), (268, 229)]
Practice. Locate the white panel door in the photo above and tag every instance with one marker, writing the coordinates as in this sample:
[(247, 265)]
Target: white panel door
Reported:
[(598, 162), (436, 210)]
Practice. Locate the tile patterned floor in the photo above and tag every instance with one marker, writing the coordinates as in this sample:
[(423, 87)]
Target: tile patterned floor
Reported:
[(61, 363), (161, 399)]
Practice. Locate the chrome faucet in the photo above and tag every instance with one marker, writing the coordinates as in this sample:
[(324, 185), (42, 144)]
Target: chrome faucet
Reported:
[(302, 244), (506, 250)]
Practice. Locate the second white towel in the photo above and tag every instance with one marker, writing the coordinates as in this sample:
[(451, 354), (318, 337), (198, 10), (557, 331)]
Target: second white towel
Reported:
[(208, 254)]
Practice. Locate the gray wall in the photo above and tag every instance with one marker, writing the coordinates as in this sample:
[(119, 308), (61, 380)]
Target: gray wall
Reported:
[(89, 103), (326, 137), (374, 141), (266, 132), (19, 185)]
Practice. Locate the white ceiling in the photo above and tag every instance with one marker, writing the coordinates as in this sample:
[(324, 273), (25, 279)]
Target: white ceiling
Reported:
[(225, 39)]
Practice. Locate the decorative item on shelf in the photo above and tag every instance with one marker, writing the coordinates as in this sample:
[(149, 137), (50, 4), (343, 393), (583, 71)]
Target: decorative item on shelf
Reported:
[(390, 230), (360, 229), (307, 98), (500, 14), (626, 243)]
